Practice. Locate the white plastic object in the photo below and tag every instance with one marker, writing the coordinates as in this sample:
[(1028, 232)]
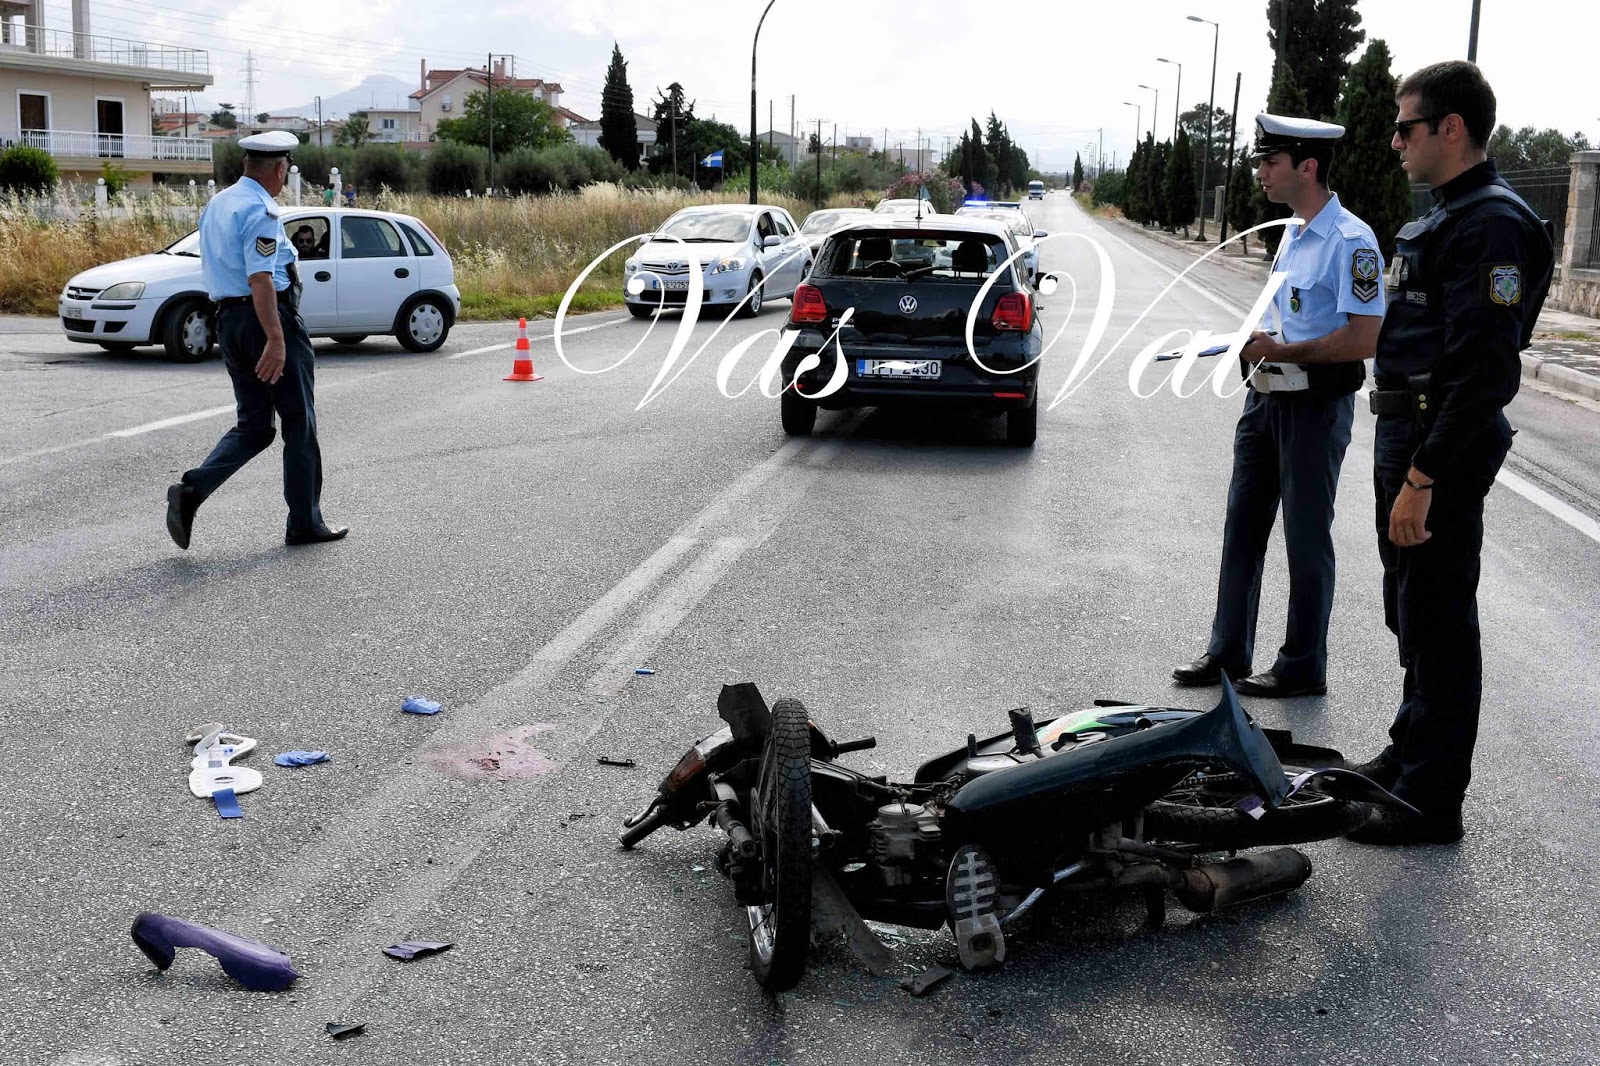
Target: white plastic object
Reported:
[(211, 769)]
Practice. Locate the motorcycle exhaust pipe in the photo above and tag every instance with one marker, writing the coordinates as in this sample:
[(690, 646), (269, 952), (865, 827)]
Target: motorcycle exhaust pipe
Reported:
[(1246, 877)]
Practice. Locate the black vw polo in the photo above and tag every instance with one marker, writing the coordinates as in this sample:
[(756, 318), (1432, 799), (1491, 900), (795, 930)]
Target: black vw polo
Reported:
[(910, 286)]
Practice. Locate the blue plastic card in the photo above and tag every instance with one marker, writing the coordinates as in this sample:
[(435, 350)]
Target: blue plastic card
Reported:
[(227, 803)]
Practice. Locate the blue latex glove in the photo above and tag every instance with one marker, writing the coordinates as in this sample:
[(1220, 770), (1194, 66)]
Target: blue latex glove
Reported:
[(420, 705), (302, 758)]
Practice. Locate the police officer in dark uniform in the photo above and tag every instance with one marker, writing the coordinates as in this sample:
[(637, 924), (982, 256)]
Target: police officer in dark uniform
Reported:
[(249, 271), (1467, 282), (1291, 438)]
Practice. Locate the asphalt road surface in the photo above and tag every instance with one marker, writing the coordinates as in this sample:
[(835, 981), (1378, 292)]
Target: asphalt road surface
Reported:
[(519, 550)]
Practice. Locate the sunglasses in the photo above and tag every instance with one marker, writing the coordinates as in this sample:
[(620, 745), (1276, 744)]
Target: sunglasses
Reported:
[(1402, 128)]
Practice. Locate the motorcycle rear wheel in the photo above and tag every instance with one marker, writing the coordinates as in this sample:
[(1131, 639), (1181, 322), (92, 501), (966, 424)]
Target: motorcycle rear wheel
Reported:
[(780, 928), (1201, 811)]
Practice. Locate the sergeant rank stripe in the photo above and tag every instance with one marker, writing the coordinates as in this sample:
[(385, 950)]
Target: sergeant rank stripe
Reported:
[(266, 246)]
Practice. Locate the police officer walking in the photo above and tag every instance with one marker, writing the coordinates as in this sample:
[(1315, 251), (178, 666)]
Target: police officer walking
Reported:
[(1468, 280), (1291, 438), (249, 270)]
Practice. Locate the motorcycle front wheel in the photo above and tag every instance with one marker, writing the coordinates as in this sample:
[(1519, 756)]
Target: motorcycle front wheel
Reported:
[(780, 928), (1201, 810)]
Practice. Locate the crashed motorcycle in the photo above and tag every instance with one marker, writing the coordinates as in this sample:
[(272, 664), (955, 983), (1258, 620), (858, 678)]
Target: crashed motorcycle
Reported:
[(1119, 797)]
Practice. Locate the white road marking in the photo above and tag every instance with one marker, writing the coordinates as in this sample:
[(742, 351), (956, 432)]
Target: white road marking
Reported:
[(168, 423), (531, 340)]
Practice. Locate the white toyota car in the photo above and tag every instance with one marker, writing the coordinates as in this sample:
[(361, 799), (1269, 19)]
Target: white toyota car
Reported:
[(739, 247), (362, 273)]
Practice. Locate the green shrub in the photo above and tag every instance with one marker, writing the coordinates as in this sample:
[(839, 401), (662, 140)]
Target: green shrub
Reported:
[(453, 168), (24, 170), (378, 166), (1109, 188), (525, 172), (317, 162), (117, 178), (227, 162)]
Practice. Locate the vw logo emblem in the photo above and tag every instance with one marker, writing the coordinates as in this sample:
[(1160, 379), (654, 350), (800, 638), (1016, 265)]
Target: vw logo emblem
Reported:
[(908, 305)]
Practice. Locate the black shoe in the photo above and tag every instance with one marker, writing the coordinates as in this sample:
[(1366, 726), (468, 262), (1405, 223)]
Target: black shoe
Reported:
[(1380, 769), (314, 535), (181, 506), (1270, 685), (1206, 670), (1392, 827)]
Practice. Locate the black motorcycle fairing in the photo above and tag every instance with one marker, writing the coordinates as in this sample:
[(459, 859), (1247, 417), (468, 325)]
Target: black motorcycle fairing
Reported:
[(1088, 787), (1349, 785), (741, 706), (951, 763)]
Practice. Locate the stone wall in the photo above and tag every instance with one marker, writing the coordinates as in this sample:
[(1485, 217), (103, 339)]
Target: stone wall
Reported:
[(1577, 285)]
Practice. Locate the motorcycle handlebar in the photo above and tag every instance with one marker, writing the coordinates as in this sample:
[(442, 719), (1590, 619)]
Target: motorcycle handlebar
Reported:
[(864, 744)]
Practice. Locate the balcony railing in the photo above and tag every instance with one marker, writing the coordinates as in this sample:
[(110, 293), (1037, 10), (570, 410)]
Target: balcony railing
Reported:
[(118, 145), (66, 44)]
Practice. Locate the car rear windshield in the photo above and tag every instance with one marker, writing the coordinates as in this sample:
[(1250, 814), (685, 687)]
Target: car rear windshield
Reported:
[(708, 227), (823, 221), (918, 254)]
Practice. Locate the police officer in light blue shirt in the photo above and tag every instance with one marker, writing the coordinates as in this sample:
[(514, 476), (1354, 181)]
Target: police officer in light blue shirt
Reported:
[(248, 266), (1291, 439)]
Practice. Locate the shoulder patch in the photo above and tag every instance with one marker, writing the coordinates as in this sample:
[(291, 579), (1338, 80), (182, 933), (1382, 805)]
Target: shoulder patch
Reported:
[(1354, 229), (266, 246), (1364, 274), (1505, 284)]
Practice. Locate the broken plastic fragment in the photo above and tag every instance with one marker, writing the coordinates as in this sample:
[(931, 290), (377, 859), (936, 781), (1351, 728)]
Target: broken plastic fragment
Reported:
[(340, 1030), (302, 758), (227, 803), (610, 760), (645, 670), (420, 705), (925, 981), (250, 962), (416, 949)]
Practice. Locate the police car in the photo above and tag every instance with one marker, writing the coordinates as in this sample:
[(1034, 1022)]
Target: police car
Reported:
[(363, 273)]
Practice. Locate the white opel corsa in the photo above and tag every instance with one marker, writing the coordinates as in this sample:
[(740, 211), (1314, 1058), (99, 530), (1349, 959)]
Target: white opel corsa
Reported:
[(362, 273)]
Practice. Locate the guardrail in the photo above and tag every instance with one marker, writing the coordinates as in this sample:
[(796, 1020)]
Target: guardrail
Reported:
[(118, 145), (67, 44)]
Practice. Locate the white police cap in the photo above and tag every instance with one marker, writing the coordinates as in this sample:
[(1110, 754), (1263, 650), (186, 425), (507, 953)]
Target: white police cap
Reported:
[(1276, 133), (274, 142)]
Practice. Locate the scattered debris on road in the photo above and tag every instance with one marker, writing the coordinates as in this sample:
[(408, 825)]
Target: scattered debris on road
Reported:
[(926, 981), (211, 769), (609, 760), (343, 1030), (420, 705), (250, 962), (302, 758), (407, 950), (644, 671), (227, 803)]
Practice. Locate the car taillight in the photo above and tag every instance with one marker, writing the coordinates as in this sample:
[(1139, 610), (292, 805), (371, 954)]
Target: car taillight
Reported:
[(808, 307), (1014, 312)]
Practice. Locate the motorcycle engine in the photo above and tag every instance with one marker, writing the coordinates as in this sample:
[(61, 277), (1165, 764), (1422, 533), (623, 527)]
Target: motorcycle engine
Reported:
[(905, 843)]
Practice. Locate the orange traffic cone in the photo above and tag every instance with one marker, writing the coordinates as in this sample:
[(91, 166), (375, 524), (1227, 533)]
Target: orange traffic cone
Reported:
[(522, 366)]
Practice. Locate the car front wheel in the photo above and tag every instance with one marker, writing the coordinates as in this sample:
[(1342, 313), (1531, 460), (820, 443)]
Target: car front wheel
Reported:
[(423, 325), (752, 306), (189, 333)]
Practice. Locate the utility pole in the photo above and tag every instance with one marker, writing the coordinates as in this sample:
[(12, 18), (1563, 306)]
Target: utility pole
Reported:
[(674, 97), (919, 149), (819, 162), (1100, 154), (1233, 129), (249, 87), (770, 123), (834, 158), (1472, 36)]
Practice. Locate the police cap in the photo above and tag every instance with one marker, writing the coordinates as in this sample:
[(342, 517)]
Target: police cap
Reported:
[(1276, 133), (272, 143)]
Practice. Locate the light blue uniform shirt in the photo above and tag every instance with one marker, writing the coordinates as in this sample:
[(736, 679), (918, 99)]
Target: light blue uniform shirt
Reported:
[(241, 234), (1335, 271)]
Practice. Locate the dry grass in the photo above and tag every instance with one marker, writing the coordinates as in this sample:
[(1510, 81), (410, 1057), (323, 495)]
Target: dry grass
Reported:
[(511, 255)]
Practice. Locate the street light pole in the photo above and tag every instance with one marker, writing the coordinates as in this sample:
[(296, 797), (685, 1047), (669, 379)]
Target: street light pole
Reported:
[(1205, 167), (1138, 121), (1177, 107), (1154, 110), (755, 147), (1472, 36)]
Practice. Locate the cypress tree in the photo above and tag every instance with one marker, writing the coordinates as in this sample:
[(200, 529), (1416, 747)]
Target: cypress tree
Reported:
[(1178, 188), (619, 133), (1366, 173), (1241, 205), (1077, 171)]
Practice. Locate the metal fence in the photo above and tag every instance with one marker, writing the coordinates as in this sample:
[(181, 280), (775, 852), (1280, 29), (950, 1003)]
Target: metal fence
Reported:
[(118, 145), (1592, 260), (1544, 189), (67, 44)]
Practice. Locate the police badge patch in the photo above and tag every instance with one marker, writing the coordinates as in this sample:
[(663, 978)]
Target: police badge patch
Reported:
[(1505, 284), (266, 246), (1364, 274)]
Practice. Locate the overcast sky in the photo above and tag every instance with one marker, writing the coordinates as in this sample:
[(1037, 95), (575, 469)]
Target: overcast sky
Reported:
[(1055, 73)]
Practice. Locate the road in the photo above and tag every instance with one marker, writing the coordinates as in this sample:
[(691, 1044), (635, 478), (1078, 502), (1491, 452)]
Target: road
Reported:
[(518, 550)]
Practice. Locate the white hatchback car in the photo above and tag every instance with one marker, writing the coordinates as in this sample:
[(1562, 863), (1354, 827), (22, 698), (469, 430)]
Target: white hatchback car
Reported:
[(738, 246), (362, 273)]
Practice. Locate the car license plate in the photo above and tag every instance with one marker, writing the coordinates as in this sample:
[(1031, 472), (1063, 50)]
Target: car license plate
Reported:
[(926, 369), (72, 312), (673, 284)]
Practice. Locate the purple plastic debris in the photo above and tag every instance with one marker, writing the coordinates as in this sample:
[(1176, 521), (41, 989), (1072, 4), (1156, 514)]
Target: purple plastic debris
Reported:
[(250, 962), (416, 949), (302, 758), (420, 705)]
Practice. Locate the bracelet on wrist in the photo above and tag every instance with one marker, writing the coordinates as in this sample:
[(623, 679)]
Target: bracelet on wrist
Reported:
[(1419, 488)]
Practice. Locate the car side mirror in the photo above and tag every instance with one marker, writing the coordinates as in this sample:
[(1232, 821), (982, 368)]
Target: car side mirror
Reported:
[(771, 241), (1040, 234)]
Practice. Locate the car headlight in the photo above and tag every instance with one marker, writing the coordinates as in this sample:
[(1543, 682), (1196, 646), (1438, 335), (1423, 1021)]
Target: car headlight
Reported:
[(724, 266), (128, 290), (630, 265)]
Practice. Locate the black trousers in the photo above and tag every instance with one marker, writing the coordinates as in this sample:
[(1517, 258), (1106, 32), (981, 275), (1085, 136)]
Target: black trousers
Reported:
[(1430, 599), (292, 399), (1289, 447)]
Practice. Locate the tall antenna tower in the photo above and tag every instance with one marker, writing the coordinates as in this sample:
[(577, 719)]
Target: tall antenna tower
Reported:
[(249, 88)]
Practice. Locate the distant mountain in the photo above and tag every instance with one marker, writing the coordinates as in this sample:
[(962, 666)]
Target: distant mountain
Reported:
[(376, 90)]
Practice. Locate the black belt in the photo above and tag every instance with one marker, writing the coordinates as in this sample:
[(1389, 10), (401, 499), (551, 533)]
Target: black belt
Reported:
[(1396, 402), (285, 296)]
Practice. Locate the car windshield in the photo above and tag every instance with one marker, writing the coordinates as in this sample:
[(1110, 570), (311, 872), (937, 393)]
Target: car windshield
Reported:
[(189, 245), (902, 207), (823, 221), (704, 227)]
